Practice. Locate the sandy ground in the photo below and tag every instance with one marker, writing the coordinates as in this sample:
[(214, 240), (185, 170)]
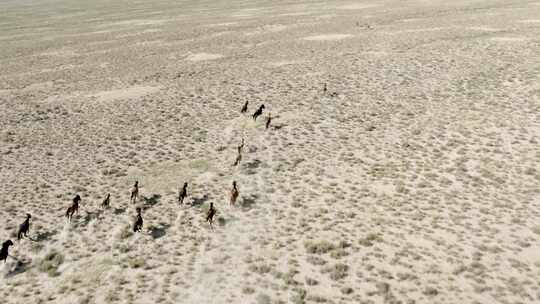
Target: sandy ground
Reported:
[(413, 179)]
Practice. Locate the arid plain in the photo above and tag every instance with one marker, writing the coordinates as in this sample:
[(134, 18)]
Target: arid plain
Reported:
[(415, 178)]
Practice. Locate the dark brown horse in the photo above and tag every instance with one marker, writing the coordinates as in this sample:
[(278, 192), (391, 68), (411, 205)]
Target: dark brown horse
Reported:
[(234, 193), (137, 225), (106, 202), (244, 108), (183, 193), (24, 227), (258, 112), (268, 120), (210, 215), (4, 252), (240, 147), (74, 208)]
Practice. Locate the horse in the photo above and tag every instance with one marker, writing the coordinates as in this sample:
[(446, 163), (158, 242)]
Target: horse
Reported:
[(106, 201), (210, 215), (137, 225), (24, 227), (74, 208), (258, 112), (4, 251), (183, 193), (244, 108), (268, 120), (134, 192), (239, 156), (234, 193)]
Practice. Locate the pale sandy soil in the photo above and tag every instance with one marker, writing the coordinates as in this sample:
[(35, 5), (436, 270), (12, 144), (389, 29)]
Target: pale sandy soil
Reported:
[(414, 179)]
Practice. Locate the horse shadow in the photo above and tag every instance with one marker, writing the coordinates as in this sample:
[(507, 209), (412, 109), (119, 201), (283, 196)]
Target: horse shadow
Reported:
[(248, 202), (43, 236), (20, 267), (83, 220), (199, 201), (158, 232), (151, 201), (118, 211), (253, 164)]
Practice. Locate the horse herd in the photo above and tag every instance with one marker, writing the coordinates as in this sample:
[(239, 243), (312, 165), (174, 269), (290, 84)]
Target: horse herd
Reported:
[(24, 228)]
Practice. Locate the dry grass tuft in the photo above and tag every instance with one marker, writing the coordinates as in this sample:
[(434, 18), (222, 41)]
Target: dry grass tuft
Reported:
[(319, 247), (50, 263)]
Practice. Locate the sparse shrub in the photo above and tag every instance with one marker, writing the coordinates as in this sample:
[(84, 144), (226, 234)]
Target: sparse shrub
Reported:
[(318, 247), (383, 288), (260, 269), (311, 282), (293, 262), (402, 189), (430, 291), (288, 277), (337, 272), (36, 247), (126, 232), (63, 289), (317, 299), (299, 296), (338, 253), (263, 299), (370, 239), (80, 189), (136, 262), (122, 248), (343, 244), (277, 274), (315, 260), (199, 164), (50, 263), (85, 300), (248, 290), (111, 296)]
